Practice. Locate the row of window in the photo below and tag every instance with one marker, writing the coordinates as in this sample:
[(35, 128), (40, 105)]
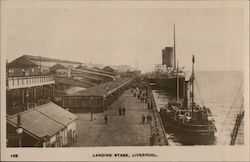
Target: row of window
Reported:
[(80, 102)]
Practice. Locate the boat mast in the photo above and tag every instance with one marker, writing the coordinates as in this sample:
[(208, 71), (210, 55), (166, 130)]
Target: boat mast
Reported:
[(192, 80), (174, 50), (177, 84)]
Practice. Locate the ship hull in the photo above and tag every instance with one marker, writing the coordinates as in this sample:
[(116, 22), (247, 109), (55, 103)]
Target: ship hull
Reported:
[(170, 85), (201, 130)]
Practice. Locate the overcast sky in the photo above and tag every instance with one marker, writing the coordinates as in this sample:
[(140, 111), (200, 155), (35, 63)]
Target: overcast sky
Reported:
[(119, 33)]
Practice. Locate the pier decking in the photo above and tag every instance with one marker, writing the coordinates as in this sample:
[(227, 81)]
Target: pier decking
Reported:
[(127, 130)]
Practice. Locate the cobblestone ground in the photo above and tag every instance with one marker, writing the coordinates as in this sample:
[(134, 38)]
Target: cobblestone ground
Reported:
[(125, 130)]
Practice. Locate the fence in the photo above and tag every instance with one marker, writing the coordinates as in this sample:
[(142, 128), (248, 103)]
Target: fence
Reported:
[(157, 125)]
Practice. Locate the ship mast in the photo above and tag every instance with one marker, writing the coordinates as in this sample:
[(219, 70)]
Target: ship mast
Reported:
[(174, 50), (177, 84), (192, 82)]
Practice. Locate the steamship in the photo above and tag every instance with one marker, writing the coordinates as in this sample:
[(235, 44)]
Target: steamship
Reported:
[(188, 118), (165, 76)]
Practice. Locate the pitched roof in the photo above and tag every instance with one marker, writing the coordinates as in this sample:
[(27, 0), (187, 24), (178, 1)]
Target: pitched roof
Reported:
[(58, 66), (57, 113), (102, 89), (38, 58), (110, 68), (32, 61), (23, 62), (44, 120)]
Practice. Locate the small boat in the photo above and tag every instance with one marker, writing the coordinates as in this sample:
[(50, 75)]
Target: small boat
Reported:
[(185, 117)]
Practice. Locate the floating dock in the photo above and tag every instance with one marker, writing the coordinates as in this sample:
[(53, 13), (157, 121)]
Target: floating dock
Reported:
[(127, 130)]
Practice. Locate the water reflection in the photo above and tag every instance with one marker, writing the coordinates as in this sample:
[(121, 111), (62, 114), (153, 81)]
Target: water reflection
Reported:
[(180, 138)]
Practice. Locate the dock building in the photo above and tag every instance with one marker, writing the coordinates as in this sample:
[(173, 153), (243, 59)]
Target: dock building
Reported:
[(35, 65), (97, 98), (47, 125)]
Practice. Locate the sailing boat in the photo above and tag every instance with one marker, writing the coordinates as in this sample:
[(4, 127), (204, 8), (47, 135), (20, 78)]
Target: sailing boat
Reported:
[(192, 119)]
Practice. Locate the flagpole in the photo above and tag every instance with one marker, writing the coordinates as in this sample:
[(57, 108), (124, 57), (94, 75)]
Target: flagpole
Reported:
[(174, 50), (177, 93), (193, 60)]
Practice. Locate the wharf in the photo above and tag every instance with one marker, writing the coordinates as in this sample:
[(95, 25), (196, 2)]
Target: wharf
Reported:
[(127, 130)]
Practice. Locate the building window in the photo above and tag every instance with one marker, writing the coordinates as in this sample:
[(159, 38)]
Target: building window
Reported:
[(66, 102), (83, 102), (78, 102)]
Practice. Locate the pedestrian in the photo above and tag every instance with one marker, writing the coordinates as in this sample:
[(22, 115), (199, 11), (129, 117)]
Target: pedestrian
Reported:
[(152, 140), (106, 119), (148, 118), (120, 111), (148, 105), (138, 96), (141, 98), (123, 111), (143, 119)]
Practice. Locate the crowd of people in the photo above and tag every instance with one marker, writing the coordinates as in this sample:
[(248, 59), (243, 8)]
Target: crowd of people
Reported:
[(142, 94)]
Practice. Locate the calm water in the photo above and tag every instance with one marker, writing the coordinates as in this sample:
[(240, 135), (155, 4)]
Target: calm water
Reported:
[(218, 91)]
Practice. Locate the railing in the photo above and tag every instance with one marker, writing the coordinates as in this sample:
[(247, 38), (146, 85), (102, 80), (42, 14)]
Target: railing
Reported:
[(28, 81), (74, 71), (68, 80), (158, 123), (236, 127)]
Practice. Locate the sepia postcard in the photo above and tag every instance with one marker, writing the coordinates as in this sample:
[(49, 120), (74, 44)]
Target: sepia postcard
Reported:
[(124, 80)]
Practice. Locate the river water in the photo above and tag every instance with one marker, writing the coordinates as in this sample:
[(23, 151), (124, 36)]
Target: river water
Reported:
[(222, 92)]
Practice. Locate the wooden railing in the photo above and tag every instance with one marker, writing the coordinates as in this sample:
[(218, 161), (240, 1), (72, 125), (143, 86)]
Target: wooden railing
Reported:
[(157, 123)]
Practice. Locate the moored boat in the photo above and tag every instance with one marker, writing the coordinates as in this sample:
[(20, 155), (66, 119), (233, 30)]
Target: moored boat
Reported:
[(166, 73), (189, 118)]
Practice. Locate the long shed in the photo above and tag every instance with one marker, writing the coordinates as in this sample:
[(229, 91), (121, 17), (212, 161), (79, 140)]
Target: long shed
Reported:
[(48, 125)]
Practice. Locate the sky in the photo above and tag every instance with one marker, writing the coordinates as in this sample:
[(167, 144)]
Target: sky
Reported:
[(122, 33)]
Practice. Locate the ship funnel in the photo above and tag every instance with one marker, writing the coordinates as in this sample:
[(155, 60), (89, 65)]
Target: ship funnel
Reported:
[(168, 57)]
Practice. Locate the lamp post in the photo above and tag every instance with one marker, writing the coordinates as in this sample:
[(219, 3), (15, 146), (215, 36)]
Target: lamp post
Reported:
[(106, 88), (104, 100), (27, 96), (19, 130), (91, 108)]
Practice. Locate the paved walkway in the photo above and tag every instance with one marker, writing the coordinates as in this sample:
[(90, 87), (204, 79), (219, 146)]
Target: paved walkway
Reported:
[(125, 130)]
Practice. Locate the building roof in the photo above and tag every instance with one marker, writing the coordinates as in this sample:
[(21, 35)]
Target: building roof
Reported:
[(38, 58), (44, 120), (84, 67), (110, 68), (58, 66), (37, 61), (102, 89), (57, 113)]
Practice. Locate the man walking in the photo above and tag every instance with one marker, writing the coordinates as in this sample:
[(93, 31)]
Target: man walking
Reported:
[(143, 119), (120, 111), (123, 111), (106, 119)]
